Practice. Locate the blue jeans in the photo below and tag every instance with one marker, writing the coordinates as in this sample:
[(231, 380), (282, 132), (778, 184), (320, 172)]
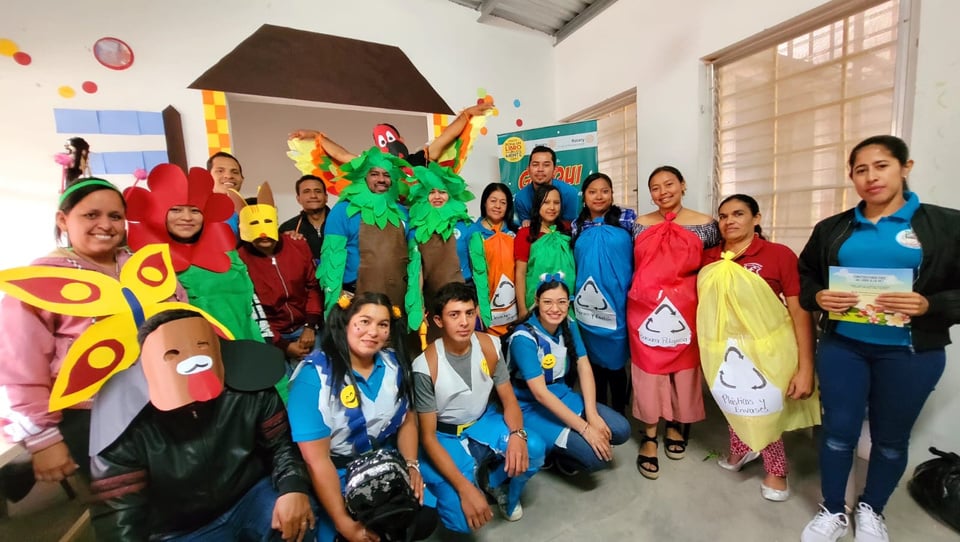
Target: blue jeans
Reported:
[(248, 520), (891, 383), (580, 451)]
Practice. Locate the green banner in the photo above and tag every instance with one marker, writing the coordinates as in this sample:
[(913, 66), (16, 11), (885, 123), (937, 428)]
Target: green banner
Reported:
[(574, 143)]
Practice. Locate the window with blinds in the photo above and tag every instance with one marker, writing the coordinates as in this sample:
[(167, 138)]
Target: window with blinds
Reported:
[(788, 114), (617, 143)]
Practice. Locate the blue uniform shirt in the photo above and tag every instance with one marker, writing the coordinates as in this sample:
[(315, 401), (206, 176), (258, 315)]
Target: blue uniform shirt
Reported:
[(306, 421), (890, 243), (523, 351)]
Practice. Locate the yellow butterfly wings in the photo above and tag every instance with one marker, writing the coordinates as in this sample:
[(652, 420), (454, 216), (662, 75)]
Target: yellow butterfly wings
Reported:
[(109, 345)]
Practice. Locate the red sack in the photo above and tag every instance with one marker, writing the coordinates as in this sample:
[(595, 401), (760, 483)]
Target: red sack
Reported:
[(662, 302)]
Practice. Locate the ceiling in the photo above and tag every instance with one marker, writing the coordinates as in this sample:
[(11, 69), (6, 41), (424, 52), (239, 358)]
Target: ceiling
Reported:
[(557, 18)]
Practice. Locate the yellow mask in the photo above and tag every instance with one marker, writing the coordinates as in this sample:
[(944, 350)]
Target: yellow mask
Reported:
[(258, 220)]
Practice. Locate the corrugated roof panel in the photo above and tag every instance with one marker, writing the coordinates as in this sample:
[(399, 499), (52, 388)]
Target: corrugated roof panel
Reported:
[(547, 16)]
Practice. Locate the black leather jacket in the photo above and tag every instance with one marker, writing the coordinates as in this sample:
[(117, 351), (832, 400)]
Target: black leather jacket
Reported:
[(937, 229), (178, 470)]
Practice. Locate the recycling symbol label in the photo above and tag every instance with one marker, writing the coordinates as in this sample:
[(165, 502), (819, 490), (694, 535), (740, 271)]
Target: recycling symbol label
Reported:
[(665, 326), (741, 389), (503, 306), (592, 308)]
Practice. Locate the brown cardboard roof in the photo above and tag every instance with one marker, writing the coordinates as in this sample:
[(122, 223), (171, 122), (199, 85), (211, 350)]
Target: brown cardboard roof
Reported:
[(288, 63)]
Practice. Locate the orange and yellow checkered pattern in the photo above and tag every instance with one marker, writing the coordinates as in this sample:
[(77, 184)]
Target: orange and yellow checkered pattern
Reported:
[(215, 116), (440, 121)]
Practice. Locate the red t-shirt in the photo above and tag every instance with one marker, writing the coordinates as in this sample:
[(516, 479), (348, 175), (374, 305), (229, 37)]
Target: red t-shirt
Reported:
[(521, 244), (775, 263)]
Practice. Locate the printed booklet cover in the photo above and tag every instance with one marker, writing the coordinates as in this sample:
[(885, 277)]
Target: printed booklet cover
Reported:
[(868, 283)]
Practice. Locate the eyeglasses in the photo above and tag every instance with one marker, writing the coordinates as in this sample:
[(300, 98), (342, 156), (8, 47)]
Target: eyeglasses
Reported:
[(549, 303)]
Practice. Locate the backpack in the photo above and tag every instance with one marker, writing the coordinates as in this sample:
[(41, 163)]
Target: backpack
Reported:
[(378, 493)]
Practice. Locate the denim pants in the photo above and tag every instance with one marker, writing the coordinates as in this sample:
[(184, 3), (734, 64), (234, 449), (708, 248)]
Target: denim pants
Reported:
[(580, 451), (891, 383), (249, 520)]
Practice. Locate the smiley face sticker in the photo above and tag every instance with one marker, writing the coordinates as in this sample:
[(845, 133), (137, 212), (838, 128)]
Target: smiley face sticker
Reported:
[(348, 396), (549, 361), (484, 368)]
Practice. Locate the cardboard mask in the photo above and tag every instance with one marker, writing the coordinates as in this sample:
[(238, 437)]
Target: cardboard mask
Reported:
[(181, 361), (388, 139), (258, 220)]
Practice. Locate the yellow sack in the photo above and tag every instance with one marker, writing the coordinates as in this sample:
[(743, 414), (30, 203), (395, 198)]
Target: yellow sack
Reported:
[(748, 351)]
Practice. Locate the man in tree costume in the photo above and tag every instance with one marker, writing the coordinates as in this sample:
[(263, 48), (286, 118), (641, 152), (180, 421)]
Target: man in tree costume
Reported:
[(364, 248)]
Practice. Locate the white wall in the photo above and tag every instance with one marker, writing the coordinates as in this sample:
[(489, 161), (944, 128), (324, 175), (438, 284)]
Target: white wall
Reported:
[(659, 50), (175, 41)]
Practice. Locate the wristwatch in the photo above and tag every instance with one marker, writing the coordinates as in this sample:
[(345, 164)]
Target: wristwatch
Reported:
[(520, 433)]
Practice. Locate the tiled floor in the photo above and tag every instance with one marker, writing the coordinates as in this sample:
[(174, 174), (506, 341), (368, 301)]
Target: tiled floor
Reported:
[(694, 500)]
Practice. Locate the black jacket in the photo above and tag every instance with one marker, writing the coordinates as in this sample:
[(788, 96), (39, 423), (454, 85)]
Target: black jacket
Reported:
[(301, 223), (179, 470), (937, 229)]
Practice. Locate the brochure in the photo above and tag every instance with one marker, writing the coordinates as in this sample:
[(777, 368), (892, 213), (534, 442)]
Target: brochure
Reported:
[(868, 283)]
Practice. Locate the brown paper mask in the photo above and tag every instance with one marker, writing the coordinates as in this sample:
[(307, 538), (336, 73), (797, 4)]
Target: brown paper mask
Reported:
[(182, 364)]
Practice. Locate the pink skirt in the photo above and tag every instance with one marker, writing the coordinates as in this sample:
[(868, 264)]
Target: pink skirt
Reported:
[(673, 397)]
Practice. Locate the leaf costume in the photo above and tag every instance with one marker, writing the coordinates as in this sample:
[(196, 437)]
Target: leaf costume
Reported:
[(364, 245), (435, 234)]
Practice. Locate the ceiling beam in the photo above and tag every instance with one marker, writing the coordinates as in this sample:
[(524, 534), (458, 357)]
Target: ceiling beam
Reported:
[(583, 18), (485, 9)]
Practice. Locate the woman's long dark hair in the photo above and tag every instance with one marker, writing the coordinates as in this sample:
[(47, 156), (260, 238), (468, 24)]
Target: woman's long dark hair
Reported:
[(751, 204), (539, 195), (571, 376), (335, 346), (611, 217), (508, 216)]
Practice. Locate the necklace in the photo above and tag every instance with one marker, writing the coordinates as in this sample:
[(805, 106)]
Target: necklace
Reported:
[(739, 252)]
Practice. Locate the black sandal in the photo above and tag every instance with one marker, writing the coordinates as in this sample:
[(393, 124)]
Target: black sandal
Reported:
[(644, 460), (676, 449)]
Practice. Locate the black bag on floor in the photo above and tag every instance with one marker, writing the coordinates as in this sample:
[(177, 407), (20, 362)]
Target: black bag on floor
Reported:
[(936, 487)]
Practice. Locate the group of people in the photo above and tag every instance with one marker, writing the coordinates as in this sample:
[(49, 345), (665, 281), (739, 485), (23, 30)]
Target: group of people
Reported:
[(292, 356)]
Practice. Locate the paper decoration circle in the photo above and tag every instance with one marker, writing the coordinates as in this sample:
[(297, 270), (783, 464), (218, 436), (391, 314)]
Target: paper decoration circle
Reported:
[(496, 112), (22, 58), (483, 131), (66, 91), (479, 101), (516, 102), (8, 47), (481, 92), (488, 99), (519, 122), (113, 53), (89, 87)]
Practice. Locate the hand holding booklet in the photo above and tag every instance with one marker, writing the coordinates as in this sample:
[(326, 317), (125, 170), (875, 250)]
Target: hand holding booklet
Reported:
[(868, 283)]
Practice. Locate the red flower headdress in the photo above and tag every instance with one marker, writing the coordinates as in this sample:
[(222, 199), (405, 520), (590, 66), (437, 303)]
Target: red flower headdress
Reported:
[(169, 187)]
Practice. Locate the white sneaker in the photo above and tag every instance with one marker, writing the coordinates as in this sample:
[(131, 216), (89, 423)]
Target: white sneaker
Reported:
[(826, 527), (500, 494), (735, 467), (869, 525)]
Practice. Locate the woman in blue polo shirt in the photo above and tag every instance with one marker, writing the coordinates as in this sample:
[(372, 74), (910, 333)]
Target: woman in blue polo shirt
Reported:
[(543, 348), (888, 369), (354, 377)]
